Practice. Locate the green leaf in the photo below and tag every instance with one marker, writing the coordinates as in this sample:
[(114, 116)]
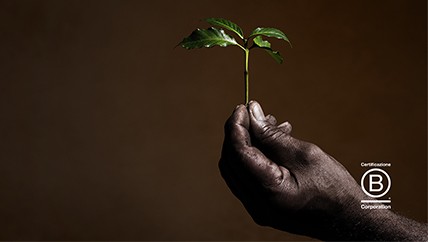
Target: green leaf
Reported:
[(276, 56), (270, 32), (227, 25), (258, 40), (264, 44), (208, 38)]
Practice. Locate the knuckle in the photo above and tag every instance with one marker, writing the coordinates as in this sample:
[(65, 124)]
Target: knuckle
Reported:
[(274, 186), (269, 133), (314, 150), (310, 151)]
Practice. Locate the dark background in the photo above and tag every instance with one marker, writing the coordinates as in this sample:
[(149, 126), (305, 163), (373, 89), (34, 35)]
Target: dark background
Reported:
[(108, 132)]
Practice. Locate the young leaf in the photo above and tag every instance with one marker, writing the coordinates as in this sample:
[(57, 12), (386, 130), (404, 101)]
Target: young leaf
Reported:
[(258, 40), (270, 32), (212, 36), (264, 44), (207, 38), (227, 25), (275, 55)]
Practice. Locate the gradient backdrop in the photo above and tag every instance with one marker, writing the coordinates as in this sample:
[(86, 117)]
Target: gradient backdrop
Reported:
[(108, 132)]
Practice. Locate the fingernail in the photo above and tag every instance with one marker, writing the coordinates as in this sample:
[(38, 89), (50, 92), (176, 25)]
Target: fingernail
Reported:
[(257, 111)]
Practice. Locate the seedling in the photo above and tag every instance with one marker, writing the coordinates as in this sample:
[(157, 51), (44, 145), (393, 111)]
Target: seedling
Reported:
[(212, 36)]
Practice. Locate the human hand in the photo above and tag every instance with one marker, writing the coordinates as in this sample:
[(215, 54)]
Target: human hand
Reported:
[(294, 186), (283, 182)]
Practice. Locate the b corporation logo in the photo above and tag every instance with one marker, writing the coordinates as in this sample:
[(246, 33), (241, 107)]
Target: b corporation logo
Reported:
[(376, 184)]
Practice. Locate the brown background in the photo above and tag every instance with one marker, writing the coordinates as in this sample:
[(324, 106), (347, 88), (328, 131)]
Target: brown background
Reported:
[(109, 133)]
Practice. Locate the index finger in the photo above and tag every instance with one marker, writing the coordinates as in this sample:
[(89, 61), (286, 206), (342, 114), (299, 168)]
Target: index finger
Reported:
[(236, 128)]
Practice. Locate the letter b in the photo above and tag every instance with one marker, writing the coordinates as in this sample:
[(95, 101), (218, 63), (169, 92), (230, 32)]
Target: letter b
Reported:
[(375, 182)]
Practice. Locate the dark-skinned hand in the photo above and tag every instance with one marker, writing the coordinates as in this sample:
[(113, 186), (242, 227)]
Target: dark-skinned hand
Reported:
[(294, 186)]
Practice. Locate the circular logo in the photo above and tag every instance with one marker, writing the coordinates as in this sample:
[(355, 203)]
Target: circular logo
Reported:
[(374, 179)]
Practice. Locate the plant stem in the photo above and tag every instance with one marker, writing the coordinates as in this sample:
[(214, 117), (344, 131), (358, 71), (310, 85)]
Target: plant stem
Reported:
[(246, 76)]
